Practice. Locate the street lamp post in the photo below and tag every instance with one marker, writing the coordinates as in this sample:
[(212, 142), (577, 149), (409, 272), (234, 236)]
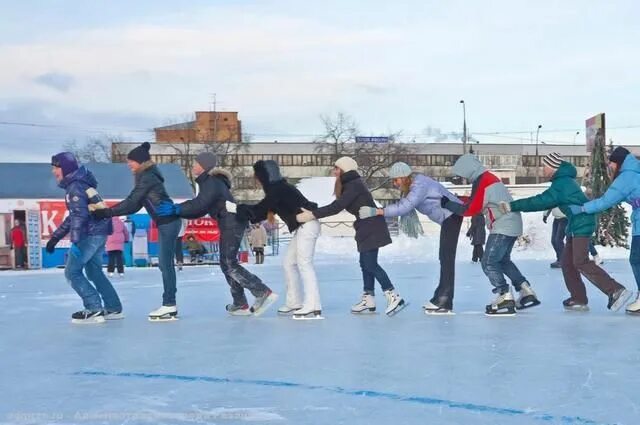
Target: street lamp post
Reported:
[(464, 127), (537, 157), (574, 137)]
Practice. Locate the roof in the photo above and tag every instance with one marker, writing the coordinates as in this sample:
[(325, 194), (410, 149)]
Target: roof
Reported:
[(417, 148), (180, 126), (35, 181)]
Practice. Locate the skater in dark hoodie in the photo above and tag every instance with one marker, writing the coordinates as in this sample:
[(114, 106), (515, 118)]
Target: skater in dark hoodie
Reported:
[(283, 199), (371, 234), (215, 185), (149, 192), (88, 236)]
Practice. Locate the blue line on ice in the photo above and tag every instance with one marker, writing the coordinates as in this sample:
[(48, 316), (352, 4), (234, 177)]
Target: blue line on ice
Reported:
[(505, 411)]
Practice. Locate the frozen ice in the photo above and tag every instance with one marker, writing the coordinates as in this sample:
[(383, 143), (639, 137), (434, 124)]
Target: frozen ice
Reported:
[(543, 366)]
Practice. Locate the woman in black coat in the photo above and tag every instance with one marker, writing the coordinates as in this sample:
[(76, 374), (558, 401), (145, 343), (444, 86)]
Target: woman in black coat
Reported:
[(371, 234)]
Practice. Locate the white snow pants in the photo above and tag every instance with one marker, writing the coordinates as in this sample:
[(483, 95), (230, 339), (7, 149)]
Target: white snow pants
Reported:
[(298, 261)]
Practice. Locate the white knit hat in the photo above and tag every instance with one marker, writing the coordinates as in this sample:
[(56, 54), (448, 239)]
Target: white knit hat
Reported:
[(399, 169), (347, 164), (552, 160)]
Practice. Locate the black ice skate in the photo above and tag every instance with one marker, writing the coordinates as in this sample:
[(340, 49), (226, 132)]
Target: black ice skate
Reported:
[(87, 317)]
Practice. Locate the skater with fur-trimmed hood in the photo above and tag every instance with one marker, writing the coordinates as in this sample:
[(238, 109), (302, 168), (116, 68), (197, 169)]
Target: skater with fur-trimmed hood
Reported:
[(371, 234), (215, 191)]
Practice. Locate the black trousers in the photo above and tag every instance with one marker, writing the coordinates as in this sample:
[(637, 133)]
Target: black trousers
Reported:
[(115, 261), (449, 233), (478, 252)]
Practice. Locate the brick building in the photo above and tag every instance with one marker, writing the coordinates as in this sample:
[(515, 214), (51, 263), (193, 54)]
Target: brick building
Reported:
[(208, 127)]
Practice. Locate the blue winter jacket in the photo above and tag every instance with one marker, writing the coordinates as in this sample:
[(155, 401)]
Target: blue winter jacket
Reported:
[(81, 195), (424, 195), (625, 187)]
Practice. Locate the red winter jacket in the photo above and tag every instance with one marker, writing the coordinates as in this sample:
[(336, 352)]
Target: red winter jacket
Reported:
[(17, 237)]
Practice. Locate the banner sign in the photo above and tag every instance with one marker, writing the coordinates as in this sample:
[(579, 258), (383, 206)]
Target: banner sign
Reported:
[(595, 131)]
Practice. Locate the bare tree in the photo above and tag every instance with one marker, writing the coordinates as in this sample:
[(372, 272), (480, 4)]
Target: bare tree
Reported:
[(93, 149), (339, 139)]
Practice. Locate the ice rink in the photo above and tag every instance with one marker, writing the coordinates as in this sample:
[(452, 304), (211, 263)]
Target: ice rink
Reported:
[(543, 366)]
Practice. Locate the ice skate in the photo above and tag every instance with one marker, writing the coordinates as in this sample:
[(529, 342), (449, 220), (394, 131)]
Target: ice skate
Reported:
[(572, 305), (634, 307), (286, 309), (395, 303), (87, 317), (164, 314), (527, 297), (555, 265), (308, 314), (110, 274), (262, 304), (238, 310), (598, 260), (619, 298), (366, 305), (503, 305), (113, 315)]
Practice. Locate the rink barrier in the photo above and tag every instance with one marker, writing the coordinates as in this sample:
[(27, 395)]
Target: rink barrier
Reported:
[(452, 404)]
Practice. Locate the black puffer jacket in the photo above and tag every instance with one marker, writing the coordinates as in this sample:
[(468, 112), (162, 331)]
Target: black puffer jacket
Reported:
[(281, 198), (372, 232), (215, 188), (148, 192)]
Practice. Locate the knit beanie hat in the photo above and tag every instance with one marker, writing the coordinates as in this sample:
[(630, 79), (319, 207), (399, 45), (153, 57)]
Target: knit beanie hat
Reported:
[(399, 169), (552, 160), (140, 153), (347, 164), (207, 160), (65, 160), (618, 155)]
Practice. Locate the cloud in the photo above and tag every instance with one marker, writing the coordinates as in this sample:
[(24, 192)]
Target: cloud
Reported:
[(56, 80)]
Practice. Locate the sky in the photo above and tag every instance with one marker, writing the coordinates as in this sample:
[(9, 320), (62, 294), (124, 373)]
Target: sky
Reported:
[(79, 69)]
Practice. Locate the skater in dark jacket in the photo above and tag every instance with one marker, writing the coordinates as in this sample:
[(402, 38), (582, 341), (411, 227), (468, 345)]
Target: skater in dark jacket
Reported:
[(88, 236), (371, 234), (149, 192), (215, 185), (478, 235), (283, 199)]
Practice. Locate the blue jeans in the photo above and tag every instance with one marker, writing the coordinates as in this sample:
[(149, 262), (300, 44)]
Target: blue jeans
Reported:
[(496, 263), (557, 236), (90, 260), (592, 249), (371, 271), (167, 235), (634, 258)]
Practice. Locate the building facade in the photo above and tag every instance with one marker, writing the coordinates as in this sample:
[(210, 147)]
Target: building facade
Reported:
[(515, 164), (208, 127)]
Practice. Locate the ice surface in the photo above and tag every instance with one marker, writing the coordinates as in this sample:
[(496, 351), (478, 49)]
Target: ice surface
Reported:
[(543, 366)]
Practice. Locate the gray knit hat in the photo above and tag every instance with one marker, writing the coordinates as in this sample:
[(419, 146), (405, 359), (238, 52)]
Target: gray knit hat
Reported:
[(552, 160), (399, 169), (207, 160)]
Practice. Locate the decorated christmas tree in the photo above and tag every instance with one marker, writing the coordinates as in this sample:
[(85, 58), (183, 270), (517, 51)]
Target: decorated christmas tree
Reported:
[(612, 225)]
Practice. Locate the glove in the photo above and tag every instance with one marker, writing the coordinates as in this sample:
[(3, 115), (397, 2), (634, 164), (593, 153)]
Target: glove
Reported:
[(504, 207), (544, 218), (635, 203), (443, 201), (75, 251), (231, 207), (168, 208), (576, 209), (51, 245), (102, 213), (366, 212), (305, 216)]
